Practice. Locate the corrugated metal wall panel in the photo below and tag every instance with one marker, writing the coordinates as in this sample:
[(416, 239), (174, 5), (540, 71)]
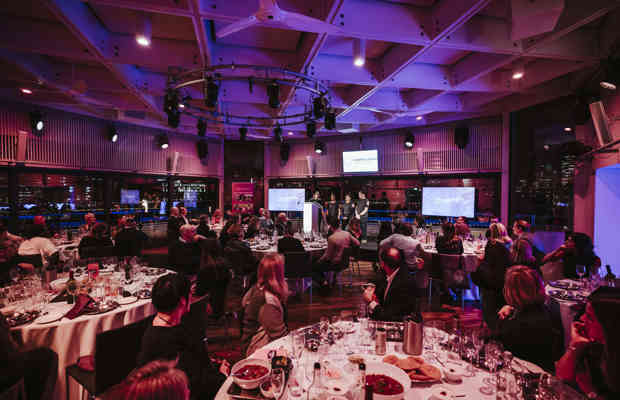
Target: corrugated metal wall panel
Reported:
[(77, 142), (439, 153)]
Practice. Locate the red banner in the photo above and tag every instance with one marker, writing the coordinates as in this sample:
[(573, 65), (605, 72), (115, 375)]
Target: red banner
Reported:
[(242, 196)]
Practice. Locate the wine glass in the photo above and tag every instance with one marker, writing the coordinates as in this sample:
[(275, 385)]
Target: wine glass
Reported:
[(298, 342), (491, 359), (277, 382), (324, 328), (470, 351), (581, 271)]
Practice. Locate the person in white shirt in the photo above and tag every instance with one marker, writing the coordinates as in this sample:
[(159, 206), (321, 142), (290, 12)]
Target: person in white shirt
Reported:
[(35, 247), (402, 240)]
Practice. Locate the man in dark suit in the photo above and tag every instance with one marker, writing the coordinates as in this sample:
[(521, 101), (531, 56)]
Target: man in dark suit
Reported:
[(394, 297), (184, 253), (130, 240), (288, 243)]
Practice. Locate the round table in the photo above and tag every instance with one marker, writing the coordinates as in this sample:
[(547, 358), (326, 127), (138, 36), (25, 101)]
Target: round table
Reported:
[(74, 338), (469, 387), (312, 249), (566, 309)]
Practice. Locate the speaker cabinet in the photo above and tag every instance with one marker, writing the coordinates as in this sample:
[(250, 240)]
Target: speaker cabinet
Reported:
[(461, 136), (202, 148)]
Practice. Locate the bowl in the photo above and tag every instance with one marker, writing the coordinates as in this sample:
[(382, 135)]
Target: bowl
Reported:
[(454, 373), (250, 384), (381, 368), (266, 392)]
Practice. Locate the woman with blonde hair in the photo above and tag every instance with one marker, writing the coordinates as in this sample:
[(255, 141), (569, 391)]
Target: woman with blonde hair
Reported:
[(157, 380), (265, 305)]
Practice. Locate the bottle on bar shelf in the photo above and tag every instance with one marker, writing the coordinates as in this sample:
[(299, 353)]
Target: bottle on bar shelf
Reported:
[(610, 278)]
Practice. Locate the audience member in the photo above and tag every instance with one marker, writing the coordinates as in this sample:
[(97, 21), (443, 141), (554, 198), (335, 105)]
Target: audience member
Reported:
[(419, 226), (490, 274), (392, 299), (281, 224), (265, 221), (253, 228), (130, 240), (34, 247), (38, 367), (9, 244), (334, 258), (385, 230), (521, 253), (174, 224), (592, 360), (169, 338), (576, 250), (525, 317), (361, 212), (265, 305), (224, 232), (402, 240), (157, 380), (289, 243), (522, 229), (183, 215), (214, 275), (461, 228), (448, 242), (239, 252), (217, 217), (97, 243), (348, 211), (203, 228), (184, 254), (89, 221), (355, 228)]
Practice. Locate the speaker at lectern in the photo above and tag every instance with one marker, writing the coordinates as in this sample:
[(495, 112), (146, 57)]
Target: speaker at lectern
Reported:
[(312, 213)]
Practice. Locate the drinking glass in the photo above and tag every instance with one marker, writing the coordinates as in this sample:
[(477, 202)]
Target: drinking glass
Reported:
[(298, 342), (277, 382), (470, 352), (324, 328), (491, 359), (581, 271)]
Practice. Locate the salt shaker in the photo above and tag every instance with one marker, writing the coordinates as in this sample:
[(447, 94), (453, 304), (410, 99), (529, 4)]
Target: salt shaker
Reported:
[(380, 341)]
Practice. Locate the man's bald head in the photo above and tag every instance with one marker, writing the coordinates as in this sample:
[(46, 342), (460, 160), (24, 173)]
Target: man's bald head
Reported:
[(391, 259)]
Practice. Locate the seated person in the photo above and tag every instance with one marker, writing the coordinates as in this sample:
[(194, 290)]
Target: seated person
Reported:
[(38, 367), (577, 250), (521, 253), (130, 240), (35, 246), (97, 243), (253, 228), (265, 221), (9, 244), (265, 305), (168, 338), (592, 360), (214, 275), (402, 240), (392, 299), (461, 228), (355, 228), (184, 254), (224, 232), (281, 224), (238, 252), (334, 257), (289, 243), (525, 317), (203, 227), (448, 242), (89, 221), (157, 380), (385, 231)]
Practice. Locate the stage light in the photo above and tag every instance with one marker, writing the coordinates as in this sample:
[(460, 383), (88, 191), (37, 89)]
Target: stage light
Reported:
[(419, 118), (171, 101), (290, 133), (546, 147), (184, 102), (310, 128), (518, 72), (26, 91), (330, 120), (36, 122), (163, 142), (409, 140), (273, 92), (211, 92), (277, 133), (319, 147), (143, 36), (318, 107), (201, 126), (243, 132), (611, 74), (359, 52), (112, 134), (174, 119), (568, 129)]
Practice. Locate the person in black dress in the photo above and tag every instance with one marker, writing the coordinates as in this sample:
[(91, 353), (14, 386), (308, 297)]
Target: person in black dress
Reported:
[(333, 209), (130, 240), (348, 211), (576, 250), (289, 243), (361, 212), (448, 242), (169, 338)]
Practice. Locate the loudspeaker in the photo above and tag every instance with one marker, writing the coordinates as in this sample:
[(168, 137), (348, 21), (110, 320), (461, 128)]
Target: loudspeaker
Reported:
[(601, 123), (461, 136), (285, 150), (202, 147)]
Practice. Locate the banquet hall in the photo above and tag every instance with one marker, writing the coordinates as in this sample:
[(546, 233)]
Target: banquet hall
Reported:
[(309, 199)]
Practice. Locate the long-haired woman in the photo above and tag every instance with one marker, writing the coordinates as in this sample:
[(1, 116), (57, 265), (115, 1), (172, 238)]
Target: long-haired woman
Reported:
[(448, 242), (157, 380)]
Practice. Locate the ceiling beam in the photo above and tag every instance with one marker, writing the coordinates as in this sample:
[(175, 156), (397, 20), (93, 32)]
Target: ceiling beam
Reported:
[(200, 32)]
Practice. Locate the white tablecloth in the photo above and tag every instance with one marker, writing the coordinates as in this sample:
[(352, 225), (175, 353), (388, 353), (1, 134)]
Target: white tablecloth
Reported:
[(313, 251), (567, 311)]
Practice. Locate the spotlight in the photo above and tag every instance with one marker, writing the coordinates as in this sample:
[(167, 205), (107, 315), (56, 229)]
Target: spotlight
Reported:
[(359, 52), (112, 134), (546, 147), (518, 72), (184, 102), (273, 91), (211, 92), (310, 128), (171, 101), (163, 142), (243, 132), (611, 77), (290, 133), (318, 107), (26, 91), (330, 120), (277, 133), (36, 122), (174, 119), (568, 129), (409, 140), (201, 126), (319, 147), (143, 37), (419, 118)]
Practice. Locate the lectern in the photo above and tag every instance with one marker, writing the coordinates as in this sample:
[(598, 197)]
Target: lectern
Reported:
[(312, 213)]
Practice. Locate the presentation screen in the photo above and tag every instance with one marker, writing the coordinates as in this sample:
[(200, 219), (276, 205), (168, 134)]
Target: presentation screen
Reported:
[(286, 199), (449, 201), (360, 161), (130, 196)]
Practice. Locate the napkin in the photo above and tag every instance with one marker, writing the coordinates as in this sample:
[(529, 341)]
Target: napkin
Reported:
[(62, 296), (83, 303)]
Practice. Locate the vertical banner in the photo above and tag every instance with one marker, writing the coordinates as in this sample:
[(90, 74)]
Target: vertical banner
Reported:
[(242, 196)]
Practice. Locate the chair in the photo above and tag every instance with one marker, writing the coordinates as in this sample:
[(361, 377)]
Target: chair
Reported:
[(243, 265), (454, 275), (116, 353), (297, 266), (16, 392)]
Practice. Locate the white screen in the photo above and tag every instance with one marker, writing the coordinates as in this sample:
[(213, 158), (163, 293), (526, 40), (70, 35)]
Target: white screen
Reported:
[(286, 199), (360, 161), (448, 201)]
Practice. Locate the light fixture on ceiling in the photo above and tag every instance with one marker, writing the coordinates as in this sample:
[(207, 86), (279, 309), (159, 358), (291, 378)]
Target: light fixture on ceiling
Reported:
[(174, 119), (546, 147), (201, 126), (318, 107), (211, 92), (243, 133), (419, 118), (36, 122), (330, 120), (112, 134), (290, 133), (359, 52), (518, 72), (319, 147), (409, 140), (163, 142), (277, 133), (310, 128), (144, 34), (611, 74), (273, 92), (26, 91), (568, 129)]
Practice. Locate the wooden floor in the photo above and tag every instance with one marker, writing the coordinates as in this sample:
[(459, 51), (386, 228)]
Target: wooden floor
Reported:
[(348, 296)]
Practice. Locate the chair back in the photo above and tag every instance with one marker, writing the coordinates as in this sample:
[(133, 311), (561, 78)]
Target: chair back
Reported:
[(97, 251), (241, 262), (116, 353), (297, 264), (454, 275)]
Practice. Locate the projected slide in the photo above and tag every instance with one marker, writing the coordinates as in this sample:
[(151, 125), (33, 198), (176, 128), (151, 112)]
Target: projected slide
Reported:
[(286, 199), (360, 161), (130, 196), (449, 201)]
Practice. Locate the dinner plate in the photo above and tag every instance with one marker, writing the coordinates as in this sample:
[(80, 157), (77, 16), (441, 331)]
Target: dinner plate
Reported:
[(50, 317), (126, 300)]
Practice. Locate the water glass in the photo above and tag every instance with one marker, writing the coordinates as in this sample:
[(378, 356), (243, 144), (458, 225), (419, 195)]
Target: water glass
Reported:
[(278, 382), (298, 343)]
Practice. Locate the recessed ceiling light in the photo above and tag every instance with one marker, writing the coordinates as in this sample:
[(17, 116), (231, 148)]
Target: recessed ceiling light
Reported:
[(26, 91), (290, 133), (359, 52), (181, 105), (419, 117), (358, 62), (568, 129), (517, 75), (143, 40)]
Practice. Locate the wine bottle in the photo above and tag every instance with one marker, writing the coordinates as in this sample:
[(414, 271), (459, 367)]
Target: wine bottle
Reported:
[(610, 278), (315, 390), (71, 288), (368, 392)]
